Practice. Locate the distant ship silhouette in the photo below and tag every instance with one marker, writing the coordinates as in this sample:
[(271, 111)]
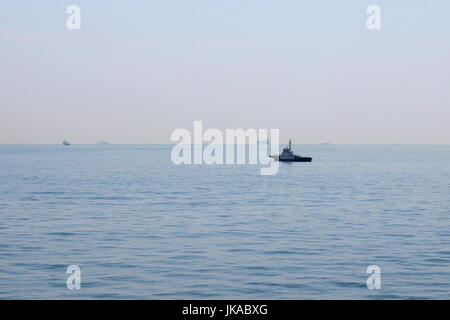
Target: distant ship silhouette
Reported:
[(288, 156)]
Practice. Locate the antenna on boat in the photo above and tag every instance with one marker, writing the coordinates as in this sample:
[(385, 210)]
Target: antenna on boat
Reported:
[(290, 141)]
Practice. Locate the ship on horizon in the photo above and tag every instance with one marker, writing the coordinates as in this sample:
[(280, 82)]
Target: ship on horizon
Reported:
[(66, 143), (288, 156)]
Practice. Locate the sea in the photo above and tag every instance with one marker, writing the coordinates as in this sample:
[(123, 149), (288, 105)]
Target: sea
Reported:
[(140, 227)]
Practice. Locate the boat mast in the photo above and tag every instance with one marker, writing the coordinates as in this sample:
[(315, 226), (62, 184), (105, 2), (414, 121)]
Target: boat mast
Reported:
[(290, 141)]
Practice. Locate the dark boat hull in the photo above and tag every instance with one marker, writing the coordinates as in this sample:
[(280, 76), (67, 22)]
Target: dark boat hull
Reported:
[(297, 159)]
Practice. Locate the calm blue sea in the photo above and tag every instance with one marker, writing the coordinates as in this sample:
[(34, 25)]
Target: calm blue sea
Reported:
[(140, 227)]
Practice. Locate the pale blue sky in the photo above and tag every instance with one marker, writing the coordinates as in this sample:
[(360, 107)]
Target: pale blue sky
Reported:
[(137, 70)]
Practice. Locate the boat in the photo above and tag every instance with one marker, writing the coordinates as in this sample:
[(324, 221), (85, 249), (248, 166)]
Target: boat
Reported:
[(66, 143), (103, 142), (288, 156)]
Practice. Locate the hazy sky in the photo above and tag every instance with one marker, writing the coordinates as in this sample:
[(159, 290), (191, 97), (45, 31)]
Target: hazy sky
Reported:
[(137, 70)]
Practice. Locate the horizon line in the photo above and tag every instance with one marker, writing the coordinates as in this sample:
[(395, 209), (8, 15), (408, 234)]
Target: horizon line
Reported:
[(149, 144)]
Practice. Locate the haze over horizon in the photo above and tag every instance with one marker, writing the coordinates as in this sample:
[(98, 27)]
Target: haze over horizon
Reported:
[(138, 70)]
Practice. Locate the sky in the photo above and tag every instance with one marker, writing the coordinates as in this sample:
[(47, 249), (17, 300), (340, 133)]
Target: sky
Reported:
[(138, 70)]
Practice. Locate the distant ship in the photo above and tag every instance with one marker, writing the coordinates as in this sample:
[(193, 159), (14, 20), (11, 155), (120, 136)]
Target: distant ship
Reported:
[(66, 143), (288, 156), (103, 142)]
